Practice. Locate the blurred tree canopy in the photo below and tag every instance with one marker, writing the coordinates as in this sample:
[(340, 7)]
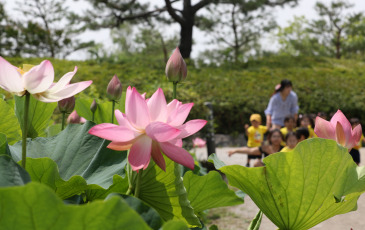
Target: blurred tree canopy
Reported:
[(113, 13)]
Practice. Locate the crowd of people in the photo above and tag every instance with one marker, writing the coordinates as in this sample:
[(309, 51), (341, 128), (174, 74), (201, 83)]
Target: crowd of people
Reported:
[(284, 128)]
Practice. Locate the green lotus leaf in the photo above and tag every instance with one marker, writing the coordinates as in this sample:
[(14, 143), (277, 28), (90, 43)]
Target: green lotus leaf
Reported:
[(10, 127), (209, 191), (36, 207), (11, 173), (77, 153), (39, 116), (165, 192), (299, 189), (103, 111), (45, 171)]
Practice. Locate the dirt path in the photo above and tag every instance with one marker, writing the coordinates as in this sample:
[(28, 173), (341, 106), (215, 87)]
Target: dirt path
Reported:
[(239, 217)]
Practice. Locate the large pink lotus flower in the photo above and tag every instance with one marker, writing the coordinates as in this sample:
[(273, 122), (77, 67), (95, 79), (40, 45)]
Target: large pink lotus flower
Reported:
[(149, 127), (338, 129), (38, 81), (198, 142)]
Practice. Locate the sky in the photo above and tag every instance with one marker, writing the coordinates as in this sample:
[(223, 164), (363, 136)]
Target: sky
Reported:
[(282, 15)]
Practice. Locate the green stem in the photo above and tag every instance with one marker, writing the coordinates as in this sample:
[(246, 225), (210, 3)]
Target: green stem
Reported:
[(138, 183), (129, 191), (113, 111), (63, 120), (174, 89), (93, 117), (25, 129)]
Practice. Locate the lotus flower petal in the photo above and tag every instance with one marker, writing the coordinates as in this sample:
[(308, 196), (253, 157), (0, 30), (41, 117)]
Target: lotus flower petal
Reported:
[(140, 153), (157, 106), (177, 154), (10, 78), (39, 78)]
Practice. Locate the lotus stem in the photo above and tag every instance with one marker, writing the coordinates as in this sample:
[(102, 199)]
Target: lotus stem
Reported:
[(138, 183), (25, 129), (63, 120)]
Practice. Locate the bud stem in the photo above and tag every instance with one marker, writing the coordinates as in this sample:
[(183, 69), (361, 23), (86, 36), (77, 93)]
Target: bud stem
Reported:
[(63, 120), (93, 117), (25, 129), (113, 105), (174, 89)]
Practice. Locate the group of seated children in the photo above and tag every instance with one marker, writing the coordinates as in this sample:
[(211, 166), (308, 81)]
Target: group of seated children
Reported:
[(282, 140)]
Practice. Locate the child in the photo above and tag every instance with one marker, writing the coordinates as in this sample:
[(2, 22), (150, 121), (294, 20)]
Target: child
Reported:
[(273, 145), (302, 133), (354, 152), (291, 141), (255, 134), (306, 122), (289, 123)]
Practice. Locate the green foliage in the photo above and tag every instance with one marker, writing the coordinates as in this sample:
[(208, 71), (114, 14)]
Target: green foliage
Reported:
[(39, 117), (10, 127), (256, 222), (299, 189), (77, 153), (36, 207), (165, 192), (149, 215), (209, 191), (236, 90), (45, 171), (11, 174)]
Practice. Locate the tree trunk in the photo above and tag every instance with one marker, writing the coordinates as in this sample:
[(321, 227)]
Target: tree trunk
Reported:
[(338, 44), (186, 39)]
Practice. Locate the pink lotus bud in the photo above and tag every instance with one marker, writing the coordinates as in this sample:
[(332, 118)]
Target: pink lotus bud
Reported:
[(66, 105), (176, 70), (114, 90), (74, 118), (198, 142), (93, 106), (338, 129)]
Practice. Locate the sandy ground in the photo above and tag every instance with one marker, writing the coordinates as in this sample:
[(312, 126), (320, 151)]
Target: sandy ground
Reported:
[(239, 217)]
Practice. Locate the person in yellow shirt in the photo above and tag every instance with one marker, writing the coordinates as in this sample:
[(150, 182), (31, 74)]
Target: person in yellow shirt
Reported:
[(306, 122), (291, 141), (255, 135), (354, 152), (289, 126)]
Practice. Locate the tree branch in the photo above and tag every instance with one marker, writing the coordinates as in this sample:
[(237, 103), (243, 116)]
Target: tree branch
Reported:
[(200, 5), (173, 14)]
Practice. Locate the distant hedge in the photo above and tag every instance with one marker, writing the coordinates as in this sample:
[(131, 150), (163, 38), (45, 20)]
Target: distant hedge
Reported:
[(236, 91)]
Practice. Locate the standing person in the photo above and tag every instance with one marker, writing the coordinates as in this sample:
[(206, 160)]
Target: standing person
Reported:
[(255, 135), (283, 103)]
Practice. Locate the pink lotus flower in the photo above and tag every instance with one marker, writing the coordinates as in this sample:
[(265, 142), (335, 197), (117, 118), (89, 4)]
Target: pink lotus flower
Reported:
[(198, 142), (149, 127), (176, 70), (38, 81), (338, 129), (74, 118)]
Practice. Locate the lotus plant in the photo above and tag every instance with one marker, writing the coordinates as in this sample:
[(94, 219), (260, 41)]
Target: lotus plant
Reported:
[(114, 92), (149, 127), (37, 81), (176, 70), (198, 142), (338, 129)]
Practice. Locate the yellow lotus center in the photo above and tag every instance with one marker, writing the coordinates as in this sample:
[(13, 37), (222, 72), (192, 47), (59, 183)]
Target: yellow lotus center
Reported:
[(26, 68)]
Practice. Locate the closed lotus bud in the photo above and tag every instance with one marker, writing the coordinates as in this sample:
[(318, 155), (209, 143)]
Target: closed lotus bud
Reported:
[(114, 90), (176, 70), (66, 105), (74, 118), (93, 106)]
